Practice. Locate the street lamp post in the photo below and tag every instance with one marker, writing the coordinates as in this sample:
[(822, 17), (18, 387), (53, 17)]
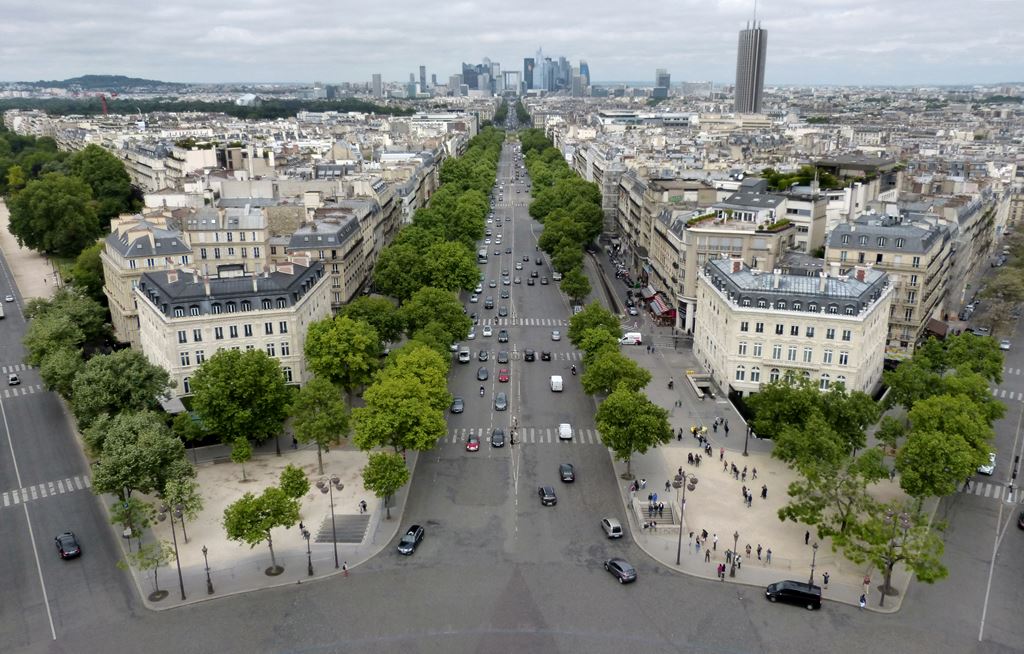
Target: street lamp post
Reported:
[(746, 438), (206, 564), (175, 513), (309, 553), (814, 557), (735, 544), (683, 481), (327, 485)]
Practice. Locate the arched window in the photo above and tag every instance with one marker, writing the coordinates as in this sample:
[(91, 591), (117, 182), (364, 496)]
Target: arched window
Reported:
[(746, 302), (186, 385), (832, 308), (781, 304), (282, 303), (773, 375), (824, 382), (841, 379), (761, 303), (755, 374), (193, 310), (797, 306), (246, 305), (231, 307), (179, 312), (287, 374), (267, 304), (812, 307), (850, 309), (740, 373)]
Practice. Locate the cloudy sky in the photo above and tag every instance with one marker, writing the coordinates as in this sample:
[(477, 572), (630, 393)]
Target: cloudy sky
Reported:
[(809, 41)]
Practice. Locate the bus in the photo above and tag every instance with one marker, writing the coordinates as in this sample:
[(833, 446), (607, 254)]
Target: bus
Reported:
[(481, 255)]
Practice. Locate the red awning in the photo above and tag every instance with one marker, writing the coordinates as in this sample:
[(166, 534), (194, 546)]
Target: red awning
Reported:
[(658, 304)]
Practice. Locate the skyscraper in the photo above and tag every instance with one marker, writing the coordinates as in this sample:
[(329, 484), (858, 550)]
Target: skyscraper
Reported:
[(423, 78), (750, 69), (378, 87), (528, 72), (662, 78), (585, 72)]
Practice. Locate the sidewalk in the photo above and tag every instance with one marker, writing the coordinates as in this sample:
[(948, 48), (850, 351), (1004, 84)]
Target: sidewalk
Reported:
[(33, 275), (716, 503)]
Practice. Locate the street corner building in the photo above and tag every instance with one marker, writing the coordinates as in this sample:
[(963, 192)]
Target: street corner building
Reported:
[(753, 327)]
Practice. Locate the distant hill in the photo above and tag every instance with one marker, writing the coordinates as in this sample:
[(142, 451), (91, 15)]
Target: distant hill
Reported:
[(107, 83)]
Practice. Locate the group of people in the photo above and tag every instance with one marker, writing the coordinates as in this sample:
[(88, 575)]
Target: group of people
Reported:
[(655, 508)]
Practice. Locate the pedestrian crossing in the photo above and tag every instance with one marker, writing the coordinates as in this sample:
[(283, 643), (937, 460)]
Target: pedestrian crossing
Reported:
[(527, 435), (46, 489), (1004, 394), (27, 389), (517, 355), (1013, 371), (15, 368), (1001, 492), (516, 321)]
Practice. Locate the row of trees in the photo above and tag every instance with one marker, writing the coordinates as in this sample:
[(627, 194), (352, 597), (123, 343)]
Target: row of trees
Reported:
[(501, 113), (944, 437), (1003, 294), (61, 203), (569, 208), (522, 115), (268, 108)]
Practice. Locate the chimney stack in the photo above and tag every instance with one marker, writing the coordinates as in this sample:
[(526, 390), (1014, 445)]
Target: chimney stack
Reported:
[(206, 285), (861, 272), (776, 277), (822, 281), (737, 265)]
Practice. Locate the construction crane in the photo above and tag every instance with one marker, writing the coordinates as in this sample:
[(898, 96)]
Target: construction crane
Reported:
[(103, 100)]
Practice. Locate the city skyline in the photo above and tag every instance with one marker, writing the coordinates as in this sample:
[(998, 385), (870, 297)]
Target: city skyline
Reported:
[(911, 42)]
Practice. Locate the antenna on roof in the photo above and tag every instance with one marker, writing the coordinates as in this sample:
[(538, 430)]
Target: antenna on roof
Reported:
[(755, 14)]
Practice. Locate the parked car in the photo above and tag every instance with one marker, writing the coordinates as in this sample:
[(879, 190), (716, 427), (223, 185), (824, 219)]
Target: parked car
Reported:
[(547, 496), (800, 593), (411, 540), (67, 545), (621, 569)]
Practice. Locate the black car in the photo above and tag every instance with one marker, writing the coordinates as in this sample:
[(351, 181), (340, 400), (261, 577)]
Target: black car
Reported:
[(410, 540), (67, 545), (547, 496), (526, 258), (502, 356), (458, 405), (482, 355), (800, 593), (502, 311), (497, 437), (503, 336), (508, 250), (545, 355), (529, 355), (504, 294), (621, 569), (538, 261), (529, 281), (534, 274), (567, 472), (481, 374)]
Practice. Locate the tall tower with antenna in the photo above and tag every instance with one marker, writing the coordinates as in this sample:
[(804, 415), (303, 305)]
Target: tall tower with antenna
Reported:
[(750, 57)]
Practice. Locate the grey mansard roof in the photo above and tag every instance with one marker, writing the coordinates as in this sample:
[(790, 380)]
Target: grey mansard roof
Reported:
[(323, 234), (918, 236), (145, 239)]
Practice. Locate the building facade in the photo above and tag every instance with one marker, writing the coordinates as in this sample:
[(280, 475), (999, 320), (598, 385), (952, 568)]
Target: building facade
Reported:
[(754, 328), (750, 58)]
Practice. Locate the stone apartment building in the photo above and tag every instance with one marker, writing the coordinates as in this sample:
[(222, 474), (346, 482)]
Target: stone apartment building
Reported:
[(755, 327)]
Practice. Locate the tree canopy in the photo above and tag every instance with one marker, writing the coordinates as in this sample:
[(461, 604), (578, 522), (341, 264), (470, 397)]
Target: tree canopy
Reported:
[(629, 423), (110, 384), (240, 395), (593, 316), (320, 416), (346, 352)]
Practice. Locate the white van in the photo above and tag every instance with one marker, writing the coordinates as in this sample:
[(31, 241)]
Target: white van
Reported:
[(631, 338), (565, 432), (464, 355), (556, 383)]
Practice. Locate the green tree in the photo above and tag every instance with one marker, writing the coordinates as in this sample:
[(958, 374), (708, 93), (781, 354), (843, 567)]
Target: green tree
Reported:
[(241, 395), (630, 423), (294, 482), (891, 534), (931, 464), (137, 453), (113, 383), (384, 474), (611, 369), (241, 451), (435, 336), (890, 431), (397, 270), (593, 316), (436, 305), (954, 415), (400, 414), (150, 557), (16, 179), (183, 491), (87, 314), (251, 518), (51, 333), (55, 215), (134, 515), (59, 368), (787, 402), (87, 273), (567, 258), (450, 266), (320, 416), (343, 351), (427, 367), (576, 285), (105, 174), (380, 312), (595, 342)]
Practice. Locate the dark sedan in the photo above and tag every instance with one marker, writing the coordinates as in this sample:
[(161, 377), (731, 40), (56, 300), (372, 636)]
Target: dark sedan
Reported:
[(547, 496), (481, 374), (410, 540), (621, 569), (67, 545), (498, 437), (567, 472)]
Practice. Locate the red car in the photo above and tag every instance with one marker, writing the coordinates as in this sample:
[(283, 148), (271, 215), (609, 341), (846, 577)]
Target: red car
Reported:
[(503, 375), (472, 443)]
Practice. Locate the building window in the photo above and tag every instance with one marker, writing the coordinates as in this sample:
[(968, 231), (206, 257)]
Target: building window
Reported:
[(182, 336), (833, 308), (863, 240), (202, 253), (809, 332), (193, 310), (285, 348), (743, 349), (824, 382), (744, 326), (776, 351), (916, 262), (813, 307), (908, 313), (268, 328), (758, 349), (282, 327), (846, 239), (273, 249), (250, 347), (230, 237), (247, 329), (246, 305), (231, 307), (797, 306), (780, 329), (773, 375), (844, 358), (231, 252), (794, 330), (245, 252), (282, 303), (781, 305), (255, 253), (759, 327), (827, 357), (241, 236), (185, 359), (755, 374), (808, 355), (186, 384), (197, 335), (233, 331), (761, 303), (200, 357), (791, 353), (847, 334), (881, 241), (216, 308), (900, 241), (841, 379), (271, 350), (218, 333), (267, 304), (740, 373), (287, 374), (216, 253), (746, 302), (830, 333), (842, 255), (179, 312), (913, 280)]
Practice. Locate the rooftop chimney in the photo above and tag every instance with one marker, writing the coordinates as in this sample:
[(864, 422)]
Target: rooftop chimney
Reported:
[(172, 276), (206, 285), (776, 277), (860, 273), (822, 281), (737, 265)]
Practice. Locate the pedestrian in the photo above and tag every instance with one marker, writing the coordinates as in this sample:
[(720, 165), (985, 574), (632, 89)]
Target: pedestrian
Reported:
[(744, 474), (668, 485), (302, 528), (739, 561), (721, 454), (764, 491), (892, 474), (654, 525), (698, 546), (728, 556), (707, 556), (758, 552), (725, 466), (689, 459), (643, 483), (744, 491), (650, 497), (824, 578), (768, 556), (744, 470), (295, 443), (704, 535), (699, 460), (727, 429), (714, 426), (655, 497), (650, 510), (748, 549), (721, 571), (807, 537), (661, 509), (691, 540), (735, 472), (750, 500), (754, 471), (714, 542), (680, 471), (344, 568), (863, 601)]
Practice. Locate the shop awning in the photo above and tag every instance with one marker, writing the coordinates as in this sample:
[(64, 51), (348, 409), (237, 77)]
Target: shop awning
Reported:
[(648, 292), (658, 305)]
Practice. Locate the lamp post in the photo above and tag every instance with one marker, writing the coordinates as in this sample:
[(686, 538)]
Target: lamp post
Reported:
[(735, 544), (683, 481), (327, 485), (206, 564), (309, 553), (175, 513), (746, 438), (814, 557)]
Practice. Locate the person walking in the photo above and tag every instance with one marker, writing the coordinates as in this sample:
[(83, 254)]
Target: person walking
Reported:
[(764, 491), (824, 578), (344, 568), (714, 427), (727, 429), (725, 466), (739, 561), (714, 542), (721, 454), (807, 537), (863, 601), (754, 471), (744, 492), (758, 552), (698, 546), (668, 485), (748, 549), (768, 556), (707, 555)]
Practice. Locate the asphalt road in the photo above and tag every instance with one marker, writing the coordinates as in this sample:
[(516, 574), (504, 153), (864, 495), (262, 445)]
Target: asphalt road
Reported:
[(496, 571)]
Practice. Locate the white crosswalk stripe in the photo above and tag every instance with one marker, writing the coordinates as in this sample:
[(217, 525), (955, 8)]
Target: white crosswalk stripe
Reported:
[(1004, 394), (994, 491), (45, 489), (15, 391), (15, 368), (535, 435)]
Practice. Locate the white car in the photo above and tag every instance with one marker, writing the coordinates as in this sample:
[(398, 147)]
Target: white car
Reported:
[(471, 335), (556, 335), (487, 241), (474, 298), (1004, 344), (989, 468), (487, 330), (479, 288)]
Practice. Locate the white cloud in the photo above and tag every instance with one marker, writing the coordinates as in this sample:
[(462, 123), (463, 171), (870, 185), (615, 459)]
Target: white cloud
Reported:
[(809, 41)]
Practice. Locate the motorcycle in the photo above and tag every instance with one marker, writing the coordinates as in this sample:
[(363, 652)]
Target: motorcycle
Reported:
[(573, 371), (481, 391)]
